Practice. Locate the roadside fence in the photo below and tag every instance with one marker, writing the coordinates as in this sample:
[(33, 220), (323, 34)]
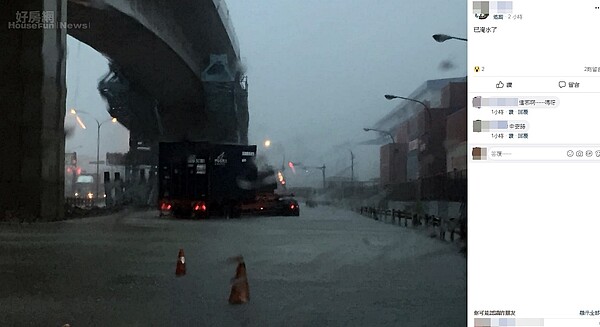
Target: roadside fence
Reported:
[(451, 226)]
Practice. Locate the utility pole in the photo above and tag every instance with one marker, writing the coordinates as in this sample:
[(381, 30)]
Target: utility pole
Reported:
[(352, 166), (97, 179), (99, 124), (322, 168)]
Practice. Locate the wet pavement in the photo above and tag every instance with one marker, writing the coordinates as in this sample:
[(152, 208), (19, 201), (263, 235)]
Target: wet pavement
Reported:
[(328, 267)]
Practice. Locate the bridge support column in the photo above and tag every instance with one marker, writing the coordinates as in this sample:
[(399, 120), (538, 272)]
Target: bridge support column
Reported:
[(32, 104), (241, 105), (226, 102)]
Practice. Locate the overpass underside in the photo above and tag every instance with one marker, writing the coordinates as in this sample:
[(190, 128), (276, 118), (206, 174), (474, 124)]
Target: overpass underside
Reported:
[(221, 116), (151, 89), (163, 88)]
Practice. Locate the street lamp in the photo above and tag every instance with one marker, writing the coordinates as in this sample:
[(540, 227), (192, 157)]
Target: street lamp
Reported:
[(276, 148), (352, 166), (443, 37), (427, 109), (381, 131), (390, 97), (99, 124)]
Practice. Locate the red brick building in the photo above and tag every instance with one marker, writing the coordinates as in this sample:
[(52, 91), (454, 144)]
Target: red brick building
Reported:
[(393, 163), (456, 141), (428, 142)]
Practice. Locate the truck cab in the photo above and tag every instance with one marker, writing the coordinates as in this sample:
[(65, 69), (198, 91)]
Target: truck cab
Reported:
[(85, 186)]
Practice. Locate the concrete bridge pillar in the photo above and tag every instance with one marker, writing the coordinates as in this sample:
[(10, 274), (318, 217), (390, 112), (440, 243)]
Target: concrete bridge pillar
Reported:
[(226, 102), (32, 104), (241, 105)]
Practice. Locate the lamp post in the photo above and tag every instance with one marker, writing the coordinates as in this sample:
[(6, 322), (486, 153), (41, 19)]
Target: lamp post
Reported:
[(99, 124), (390, 97), (381, 131), (276, 148), (323, 172), (427, 109), (352, 167), (443, 37)]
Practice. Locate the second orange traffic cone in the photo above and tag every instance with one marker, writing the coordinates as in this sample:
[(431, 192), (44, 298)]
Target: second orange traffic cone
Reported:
[(240, 292), (180, 270)]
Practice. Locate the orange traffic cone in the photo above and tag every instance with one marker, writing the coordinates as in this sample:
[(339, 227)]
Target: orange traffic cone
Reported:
[(240, 292), (180, 271)]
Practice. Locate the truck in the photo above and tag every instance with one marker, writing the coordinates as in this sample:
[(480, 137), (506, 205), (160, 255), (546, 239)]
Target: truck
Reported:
[(201, 179), (85, 186)]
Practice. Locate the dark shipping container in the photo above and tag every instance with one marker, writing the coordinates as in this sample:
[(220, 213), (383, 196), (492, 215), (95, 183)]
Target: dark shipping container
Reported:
[(214, 179)]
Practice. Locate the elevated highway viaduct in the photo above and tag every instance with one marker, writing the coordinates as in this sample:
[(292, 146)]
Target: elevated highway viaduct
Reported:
[(175, 74)]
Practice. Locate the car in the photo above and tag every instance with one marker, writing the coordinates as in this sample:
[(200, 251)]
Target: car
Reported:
[(272, 205), (288, 206)]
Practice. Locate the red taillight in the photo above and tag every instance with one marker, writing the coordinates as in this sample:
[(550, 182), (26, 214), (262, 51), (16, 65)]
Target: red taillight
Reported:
[(165, 206), (200, 207), (292, 206)]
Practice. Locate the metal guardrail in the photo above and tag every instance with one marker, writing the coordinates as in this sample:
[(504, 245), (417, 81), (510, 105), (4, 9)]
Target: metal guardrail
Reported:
[(452, 226)]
